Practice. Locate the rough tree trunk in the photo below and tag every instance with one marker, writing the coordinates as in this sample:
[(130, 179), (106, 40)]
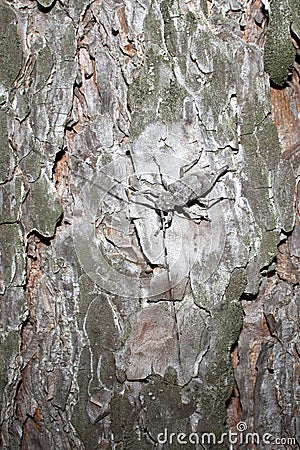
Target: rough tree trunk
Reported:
[(121, 324)]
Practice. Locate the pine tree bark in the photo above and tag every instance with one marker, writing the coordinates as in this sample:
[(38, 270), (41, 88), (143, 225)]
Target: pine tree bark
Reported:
[(127, 323)]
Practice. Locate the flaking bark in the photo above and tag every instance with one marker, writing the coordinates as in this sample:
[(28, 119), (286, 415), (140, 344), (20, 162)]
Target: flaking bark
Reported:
[(119, 326)]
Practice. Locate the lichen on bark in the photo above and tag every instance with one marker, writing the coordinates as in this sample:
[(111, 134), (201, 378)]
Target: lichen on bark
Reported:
[(280, 54)]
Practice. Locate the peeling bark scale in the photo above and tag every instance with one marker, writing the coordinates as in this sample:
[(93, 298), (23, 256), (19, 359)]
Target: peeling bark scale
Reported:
[(149, 297)]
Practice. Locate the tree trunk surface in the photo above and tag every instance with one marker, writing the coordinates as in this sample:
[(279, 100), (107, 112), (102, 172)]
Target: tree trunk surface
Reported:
[(149, 224)]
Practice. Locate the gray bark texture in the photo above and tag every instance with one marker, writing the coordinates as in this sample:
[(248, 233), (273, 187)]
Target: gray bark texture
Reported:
[(149, 224)]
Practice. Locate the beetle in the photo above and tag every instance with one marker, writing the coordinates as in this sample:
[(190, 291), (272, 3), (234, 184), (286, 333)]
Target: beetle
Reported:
[(180, 195)]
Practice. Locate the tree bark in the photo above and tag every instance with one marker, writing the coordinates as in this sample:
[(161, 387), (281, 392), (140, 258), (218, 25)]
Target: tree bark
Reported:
[(149, 224)]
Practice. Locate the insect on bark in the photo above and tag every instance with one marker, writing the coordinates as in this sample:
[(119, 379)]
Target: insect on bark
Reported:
[(189, 190)]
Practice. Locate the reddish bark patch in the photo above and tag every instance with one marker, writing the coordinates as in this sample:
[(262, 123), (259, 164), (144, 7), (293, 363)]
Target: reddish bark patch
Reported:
[(286, 115), (285, 267)]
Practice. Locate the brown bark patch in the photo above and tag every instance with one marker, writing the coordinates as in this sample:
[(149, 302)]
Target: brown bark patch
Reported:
[(286, 115)]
